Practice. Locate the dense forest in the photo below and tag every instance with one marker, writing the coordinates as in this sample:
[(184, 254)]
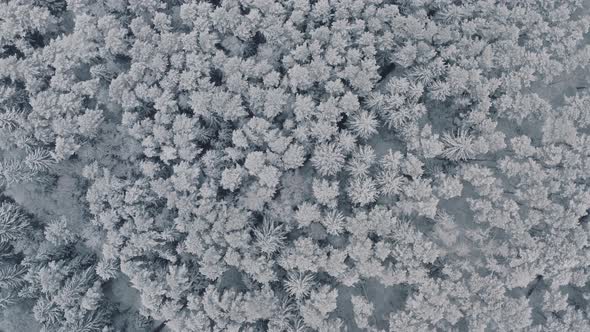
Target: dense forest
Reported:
[(294, 165)]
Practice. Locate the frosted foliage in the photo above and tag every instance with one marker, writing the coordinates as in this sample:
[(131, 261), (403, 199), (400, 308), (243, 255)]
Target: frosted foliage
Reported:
[(300, 165)]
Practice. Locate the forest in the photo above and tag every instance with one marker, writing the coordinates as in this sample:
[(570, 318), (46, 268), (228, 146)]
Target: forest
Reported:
[(294, 165)]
